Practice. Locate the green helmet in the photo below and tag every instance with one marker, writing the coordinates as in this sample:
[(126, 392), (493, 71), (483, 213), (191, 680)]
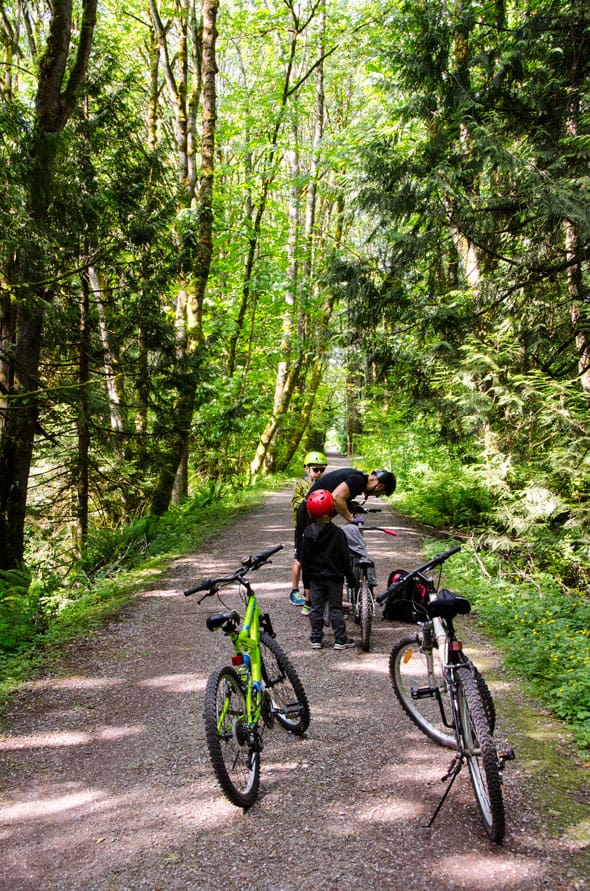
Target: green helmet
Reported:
[(315, 458)]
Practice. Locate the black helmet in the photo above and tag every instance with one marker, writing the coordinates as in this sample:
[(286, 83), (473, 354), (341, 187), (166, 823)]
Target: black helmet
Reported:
[(387, 480)]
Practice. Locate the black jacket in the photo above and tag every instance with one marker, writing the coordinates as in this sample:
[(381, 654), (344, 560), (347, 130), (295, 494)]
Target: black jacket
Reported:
[(325, 554)]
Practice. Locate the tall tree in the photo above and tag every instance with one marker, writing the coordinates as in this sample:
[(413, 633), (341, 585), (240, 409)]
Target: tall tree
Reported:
[(61, 69), (190, 74)]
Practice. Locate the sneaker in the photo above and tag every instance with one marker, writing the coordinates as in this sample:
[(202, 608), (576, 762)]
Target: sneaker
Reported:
[(295, 598), (305, 609), (344, 644), (316, 644)]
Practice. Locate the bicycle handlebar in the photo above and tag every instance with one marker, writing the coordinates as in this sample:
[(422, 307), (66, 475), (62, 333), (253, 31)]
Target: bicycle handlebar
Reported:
[(379, 529), (248, 564), (356, 508), (430, 564)]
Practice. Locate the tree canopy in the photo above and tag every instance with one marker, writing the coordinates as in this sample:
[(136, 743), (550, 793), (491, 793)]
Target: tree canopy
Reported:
[(229, 227)]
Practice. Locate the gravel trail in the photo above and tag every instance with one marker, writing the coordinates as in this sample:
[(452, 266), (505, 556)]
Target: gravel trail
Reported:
[(106, 784)]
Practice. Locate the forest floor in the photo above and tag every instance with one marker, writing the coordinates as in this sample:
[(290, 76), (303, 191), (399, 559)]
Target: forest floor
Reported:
[(106, 783)]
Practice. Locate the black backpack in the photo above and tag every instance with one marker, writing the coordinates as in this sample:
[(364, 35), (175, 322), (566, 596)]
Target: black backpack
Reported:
[(408, 603)]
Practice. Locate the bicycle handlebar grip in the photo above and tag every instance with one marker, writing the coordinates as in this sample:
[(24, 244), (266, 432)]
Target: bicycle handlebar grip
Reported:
[(264, 555), (445, 556), (203, 585)]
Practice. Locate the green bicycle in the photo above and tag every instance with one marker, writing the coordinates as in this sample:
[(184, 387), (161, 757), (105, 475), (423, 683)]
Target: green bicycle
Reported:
[(259, 687)]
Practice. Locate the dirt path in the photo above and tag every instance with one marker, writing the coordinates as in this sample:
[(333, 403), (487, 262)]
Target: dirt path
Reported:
[(105, 782)]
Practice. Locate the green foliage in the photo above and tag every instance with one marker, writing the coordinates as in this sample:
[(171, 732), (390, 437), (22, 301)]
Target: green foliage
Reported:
[(20, 609), (39, 613), (438, 483), (543, 629)]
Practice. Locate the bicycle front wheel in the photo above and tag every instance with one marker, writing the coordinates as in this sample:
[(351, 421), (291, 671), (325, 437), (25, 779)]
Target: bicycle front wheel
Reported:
[(235, 757), (288, 700), (417, 678), (481, 754), (366, 615)]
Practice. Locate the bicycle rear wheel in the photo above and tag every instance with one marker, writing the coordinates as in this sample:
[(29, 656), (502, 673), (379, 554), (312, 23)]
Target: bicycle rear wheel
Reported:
[(353, 599), (418, 682), (366, 615), (235, 759), (288, 700), (481, 755)]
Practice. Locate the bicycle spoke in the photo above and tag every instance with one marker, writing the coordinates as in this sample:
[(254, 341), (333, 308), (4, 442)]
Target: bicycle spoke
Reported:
[(418, 682), (235, 759), (283, 687)]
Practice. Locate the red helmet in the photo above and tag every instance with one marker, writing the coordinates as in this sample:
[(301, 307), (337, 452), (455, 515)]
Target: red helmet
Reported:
[(320, 503)]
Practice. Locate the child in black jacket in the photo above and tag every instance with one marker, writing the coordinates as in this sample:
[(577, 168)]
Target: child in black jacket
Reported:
[(325, 562)]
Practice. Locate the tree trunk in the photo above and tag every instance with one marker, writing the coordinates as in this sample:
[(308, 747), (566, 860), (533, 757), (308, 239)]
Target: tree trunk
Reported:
[(299, 280), (173, 471), (57, 91), (82, 474)]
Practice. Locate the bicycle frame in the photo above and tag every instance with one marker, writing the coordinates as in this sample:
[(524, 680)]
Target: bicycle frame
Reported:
[(246, 644)]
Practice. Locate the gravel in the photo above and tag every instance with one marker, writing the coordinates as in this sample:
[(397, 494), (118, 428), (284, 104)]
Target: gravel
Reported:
[(106, 784)]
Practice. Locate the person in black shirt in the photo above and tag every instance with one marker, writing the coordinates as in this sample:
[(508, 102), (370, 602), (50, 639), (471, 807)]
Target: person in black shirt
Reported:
[(325, 563), (344, 484)]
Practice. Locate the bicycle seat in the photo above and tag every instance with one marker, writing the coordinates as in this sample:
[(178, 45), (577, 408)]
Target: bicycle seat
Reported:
[(447, 605), (365, 563), (228, 620)]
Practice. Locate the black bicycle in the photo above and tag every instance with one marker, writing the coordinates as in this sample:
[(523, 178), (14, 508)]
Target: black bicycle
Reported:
[(440, 688), (360, 595)]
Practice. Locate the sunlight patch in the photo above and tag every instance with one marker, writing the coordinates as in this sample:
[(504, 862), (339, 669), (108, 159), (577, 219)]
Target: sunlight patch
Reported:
[(390, 810), (369, 664), (175, 683), (39, 809), (75, 682), (67, 738), (160, 592), (483, 873)]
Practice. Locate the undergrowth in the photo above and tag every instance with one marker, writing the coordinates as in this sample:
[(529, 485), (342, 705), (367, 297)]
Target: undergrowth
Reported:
[(41, 608), (526, 571), (542, 629)]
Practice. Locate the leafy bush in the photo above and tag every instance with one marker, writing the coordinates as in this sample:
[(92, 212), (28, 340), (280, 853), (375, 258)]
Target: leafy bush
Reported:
[(438, 484), (543, 629), (25, 608)]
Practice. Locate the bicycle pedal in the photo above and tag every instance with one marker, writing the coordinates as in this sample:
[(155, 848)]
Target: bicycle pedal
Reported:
[(425, 692), (505, 755)]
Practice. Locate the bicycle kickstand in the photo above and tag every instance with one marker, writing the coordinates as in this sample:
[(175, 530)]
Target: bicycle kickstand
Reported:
[(451, 775)]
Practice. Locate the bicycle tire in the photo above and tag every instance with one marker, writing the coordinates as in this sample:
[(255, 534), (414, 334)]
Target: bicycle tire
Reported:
[(353, 599), (289, 704), (235, 762), (408, 670), (480, 753), (486, 695), (486, 698), (365, 615)]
